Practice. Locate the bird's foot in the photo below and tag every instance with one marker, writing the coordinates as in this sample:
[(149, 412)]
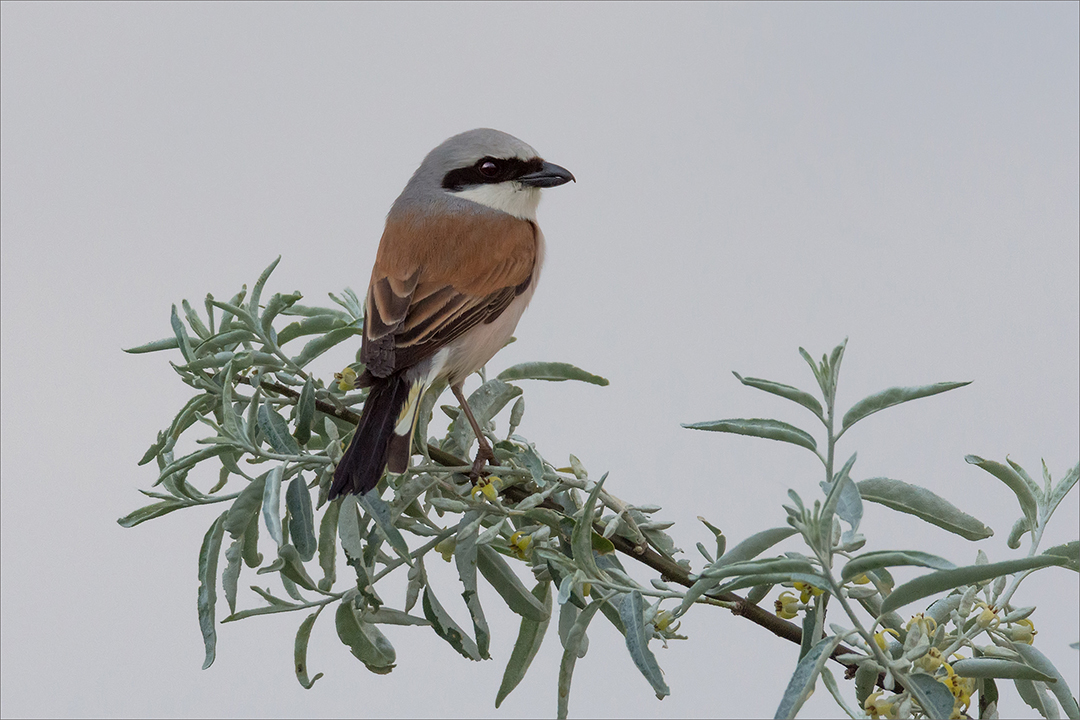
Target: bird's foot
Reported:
[(483, 454)]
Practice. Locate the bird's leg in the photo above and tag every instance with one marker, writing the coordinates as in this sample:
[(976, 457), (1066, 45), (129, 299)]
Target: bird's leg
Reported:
[(484, 452)]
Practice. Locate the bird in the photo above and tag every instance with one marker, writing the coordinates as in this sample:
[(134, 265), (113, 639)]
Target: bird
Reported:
[(458, 262)]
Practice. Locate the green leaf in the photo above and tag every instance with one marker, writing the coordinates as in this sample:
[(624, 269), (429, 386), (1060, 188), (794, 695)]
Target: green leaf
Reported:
[(763, 428), (505, 581), (277, 304), (364, 640), (1016, 483), (632, 612), (303, 634), (208, 560), (465, 558), (317, 346), (293, 567), (935, 699), (305, 412), (1034, 694), (271, 505), (486, 402), (314, 325), (1033, 657), (301, 518), (1021, 526), (1070, 551), (984, 667), (276, 431), (893, 396), (574, 641), (227, 341), (794, 394), (170, 343), (150, 512), (924, 504), (943, 580), (553, 371), (445, 627), (892, 558), (530, 636), (805, 677), (748, 549)]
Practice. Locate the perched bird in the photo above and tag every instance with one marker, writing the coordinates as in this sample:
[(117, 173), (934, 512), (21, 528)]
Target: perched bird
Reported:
[(457, 264)]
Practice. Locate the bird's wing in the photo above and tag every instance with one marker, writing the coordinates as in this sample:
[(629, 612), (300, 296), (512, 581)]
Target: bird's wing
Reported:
[(435, 279)]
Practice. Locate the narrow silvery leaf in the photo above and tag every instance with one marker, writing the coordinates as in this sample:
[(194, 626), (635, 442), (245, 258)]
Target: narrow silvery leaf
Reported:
[(1021, 526), (305, 412), (892, 558), (555, 371), (208, 560), (1033, 657), (150, 512), (294, 569), (1034, 694), (256, 291), (328, 546), (231, 576), (983, 667), (445, 627), (505, 581), (182, 340), (380, 512), (318, 345), (849, 506), (1061, 490), (390, 616), (841, 485), (245, 507), (572, 652), (314, 325), (367, 643), (805, 676), (581, 538), (303, 634), (935, 699), (821, 380), (805, 399), (276, 431), (271, 505), (486, 402), (763, 428), (1070, 551), (530, 636), (944, 580), (190, 460), (170, 343), (924, 504), (194, 321), (631, 611), (301, 518), (893, 396), (277, 304), (1014, 481), (465, 558)]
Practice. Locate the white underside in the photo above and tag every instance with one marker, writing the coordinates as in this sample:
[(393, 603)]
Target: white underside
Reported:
[(510, 197)]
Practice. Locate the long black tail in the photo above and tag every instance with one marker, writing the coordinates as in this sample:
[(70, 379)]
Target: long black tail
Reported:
[(362, 464)]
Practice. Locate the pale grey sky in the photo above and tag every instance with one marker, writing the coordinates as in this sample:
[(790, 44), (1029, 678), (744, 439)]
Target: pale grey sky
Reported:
[(751, 178)]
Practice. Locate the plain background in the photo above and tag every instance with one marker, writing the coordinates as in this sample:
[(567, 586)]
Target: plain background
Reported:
[(751, 178)]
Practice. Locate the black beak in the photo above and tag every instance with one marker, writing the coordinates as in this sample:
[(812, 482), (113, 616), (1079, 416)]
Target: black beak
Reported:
[(549, 175)]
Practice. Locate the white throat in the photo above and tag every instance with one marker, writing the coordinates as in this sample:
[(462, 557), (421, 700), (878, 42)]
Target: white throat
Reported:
[(510, 197)]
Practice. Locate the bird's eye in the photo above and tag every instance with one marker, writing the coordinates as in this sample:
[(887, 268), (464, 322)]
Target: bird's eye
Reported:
[(488, 169)]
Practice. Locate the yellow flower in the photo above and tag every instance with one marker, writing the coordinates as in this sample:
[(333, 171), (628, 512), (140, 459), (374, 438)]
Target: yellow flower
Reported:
[(930, 662), (519, 543), (876, 707), (861, 580), (663, 621), (1023, 631), (928, 625), (489, 487), (806, 590), (879, 637), (787, 605), (446, 548), (988, 617), (346, 379), (960, 687)]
